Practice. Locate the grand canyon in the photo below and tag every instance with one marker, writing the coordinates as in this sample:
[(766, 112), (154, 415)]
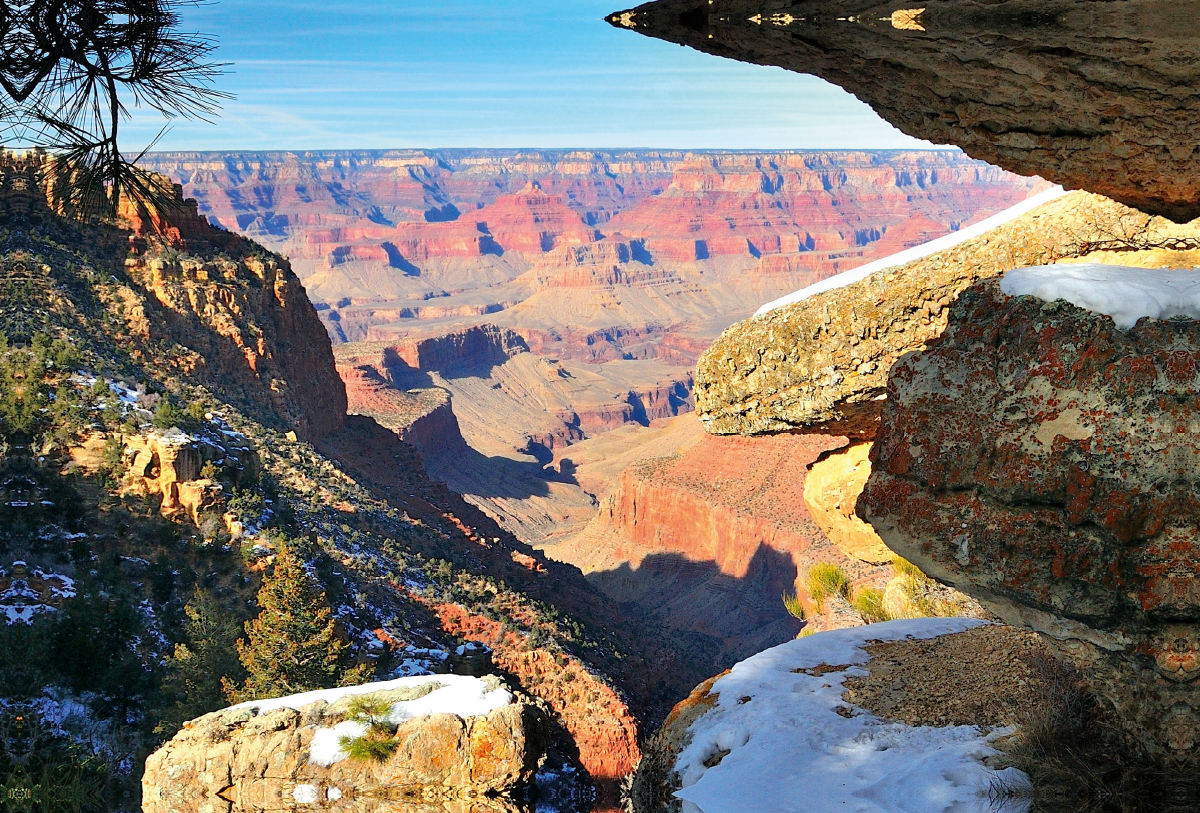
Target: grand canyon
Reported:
[(530, 321)]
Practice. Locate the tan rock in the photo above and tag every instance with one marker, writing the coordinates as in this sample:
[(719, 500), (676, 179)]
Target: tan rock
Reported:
[(821, 365), (237, 760), (89, 455), (831, 491), (198, 497)]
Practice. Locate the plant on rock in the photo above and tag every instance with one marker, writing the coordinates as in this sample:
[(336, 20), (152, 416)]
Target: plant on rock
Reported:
[(825, 580), (378, 742)]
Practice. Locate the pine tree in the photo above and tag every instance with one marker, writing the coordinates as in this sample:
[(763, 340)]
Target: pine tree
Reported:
[(292, 646), (198, 669)]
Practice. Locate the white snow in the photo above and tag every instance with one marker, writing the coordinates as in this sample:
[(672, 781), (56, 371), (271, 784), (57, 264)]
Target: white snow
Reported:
[(916, 252), (455, 694), (306, 794), (1126, 294), (791, 752)]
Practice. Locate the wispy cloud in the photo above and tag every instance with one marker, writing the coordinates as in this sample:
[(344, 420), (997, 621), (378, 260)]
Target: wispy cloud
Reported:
[(503, 73)]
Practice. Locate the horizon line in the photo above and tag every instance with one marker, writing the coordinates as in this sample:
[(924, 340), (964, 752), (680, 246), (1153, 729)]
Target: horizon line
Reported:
[(740, 150)]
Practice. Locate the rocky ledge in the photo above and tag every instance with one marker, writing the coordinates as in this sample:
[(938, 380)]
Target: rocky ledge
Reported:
[(901, 710), (1093, 95), (451, 740), (1043, 460), (821, 364)]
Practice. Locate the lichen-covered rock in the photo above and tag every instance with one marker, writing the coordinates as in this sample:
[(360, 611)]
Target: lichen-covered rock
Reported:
[(821, 365), (831, 493), (1043, 461), (241, 760)]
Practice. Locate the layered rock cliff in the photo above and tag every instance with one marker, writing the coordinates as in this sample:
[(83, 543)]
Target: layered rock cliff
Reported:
[(412, 235), (239, 321)]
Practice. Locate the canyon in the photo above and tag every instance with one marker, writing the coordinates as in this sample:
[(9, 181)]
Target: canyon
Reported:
[(531, 321)]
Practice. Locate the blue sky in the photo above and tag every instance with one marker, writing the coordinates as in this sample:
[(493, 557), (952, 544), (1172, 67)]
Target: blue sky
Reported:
[(502, 73)]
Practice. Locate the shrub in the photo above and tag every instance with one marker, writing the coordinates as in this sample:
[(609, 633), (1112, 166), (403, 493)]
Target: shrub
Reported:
[(370, 709), (378, 742), (869, 603), (795, 607), (372, 746), (903, 567), (826, 579), (168, 416)]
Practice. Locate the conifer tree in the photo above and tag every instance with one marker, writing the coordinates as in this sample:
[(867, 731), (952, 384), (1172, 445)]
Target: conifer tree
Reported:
[(292, 646), (199, 668)]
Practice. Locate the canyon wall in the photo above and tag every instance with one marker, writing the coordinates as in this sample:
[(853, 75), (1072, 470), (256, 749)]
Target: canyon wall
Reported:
[(594, 240), (709, 539)]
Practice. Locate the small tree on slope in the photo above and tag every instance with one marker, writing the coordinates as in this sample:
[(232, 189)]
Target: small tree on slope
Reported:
[(292, 646)]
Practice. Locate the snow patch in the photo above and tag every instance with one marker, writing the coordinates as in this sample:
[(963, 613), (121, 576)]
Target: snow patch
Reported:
[(306, 794), (916, 252), (775, 742), (1126, 294), (454, 694)]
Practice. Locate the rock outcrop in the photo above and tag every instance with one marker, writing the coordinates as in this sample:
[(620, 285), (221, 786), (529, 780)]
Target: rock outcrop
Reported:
[(239, 760), (831, 490), (241, 318), (1098, 96), (1041, 460), (821, 364)]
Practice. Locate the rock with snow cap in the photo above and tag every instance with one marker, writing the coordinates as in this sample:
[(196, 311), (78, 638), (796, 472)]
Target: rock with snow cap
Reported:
[(457, 740), (776, 733), (820, 364)]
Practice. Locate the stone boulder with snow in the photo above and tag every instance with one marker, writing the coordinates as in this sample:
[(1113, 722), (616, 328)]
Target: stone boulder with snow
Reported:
[(457, 739), (776, 732), (820, 363)]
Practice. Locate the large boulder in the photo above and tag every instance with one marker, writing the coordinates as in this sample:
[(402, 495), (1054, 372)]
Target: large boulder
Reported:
[(284, 754), (1044, 461), (821, 364)]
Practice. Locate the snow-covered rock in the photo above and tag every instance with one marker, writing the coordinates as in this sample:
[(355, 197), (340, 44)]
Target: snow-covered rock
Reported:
[(773, 735), (1123, 293), (456, 737)]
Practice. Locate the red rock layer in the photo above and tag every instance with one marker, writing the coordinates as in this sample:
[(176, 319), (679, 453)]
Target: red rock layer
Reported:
[(708, 541), (598, 720), (405, 208)]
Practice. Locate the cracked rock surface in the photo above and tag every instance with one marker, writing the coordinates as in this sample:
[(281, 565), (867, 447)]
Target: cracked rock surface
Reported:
[(1045, 462), (1092, 94)]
